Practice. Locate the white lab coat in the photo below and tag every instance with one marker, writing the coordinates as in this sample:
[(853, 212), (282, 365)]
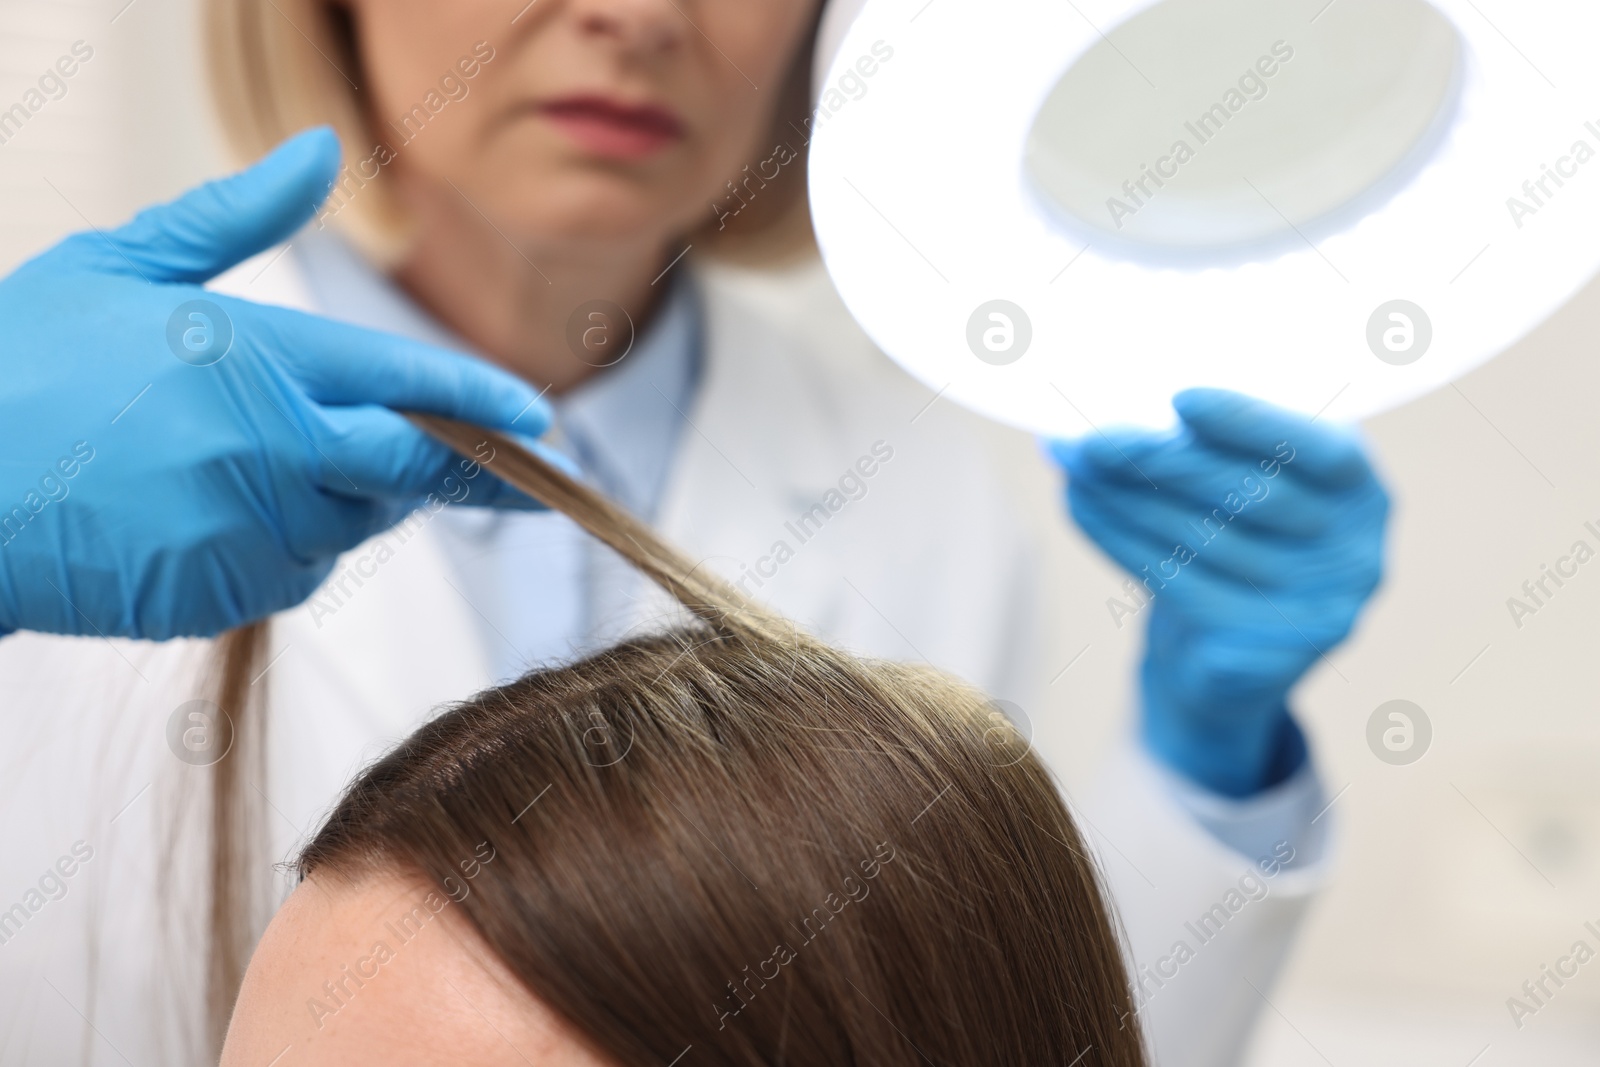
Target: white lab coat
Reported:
[(933, 562)]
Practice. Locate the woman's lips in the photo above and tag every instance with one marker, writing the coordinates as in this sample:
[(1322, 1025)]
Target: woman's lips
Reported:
[(609, 128)]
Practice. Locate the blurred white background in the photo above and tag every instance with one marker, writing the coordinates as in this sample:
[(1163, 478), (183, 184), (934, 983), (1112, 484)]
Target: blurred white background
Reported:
[(1461, 874)]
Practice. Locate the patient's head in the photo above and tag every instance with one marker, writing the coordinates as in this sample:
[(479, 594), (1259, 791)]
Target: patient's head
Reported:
[(697, 848)]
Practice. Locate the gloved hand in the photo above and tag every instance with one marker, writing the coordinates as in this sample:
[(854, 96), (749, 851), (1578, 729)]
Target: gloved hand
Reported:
[(175, 468), (1253, 537)]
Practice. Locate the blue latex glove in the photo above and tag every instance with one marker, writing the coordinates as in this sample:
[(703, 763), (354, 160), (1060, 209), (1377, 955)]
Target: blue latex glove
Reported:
[(147, 495), (1253, 537)]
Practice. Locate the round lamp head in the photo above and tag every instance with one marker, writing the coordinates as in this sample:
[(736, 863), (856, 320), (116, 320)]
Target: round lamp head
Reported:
[(1062, 214)]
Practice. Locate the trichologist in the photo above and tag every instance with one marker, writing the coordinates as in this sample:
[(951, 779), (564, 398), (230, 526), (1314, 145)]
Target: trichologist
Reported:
[(183, 457)]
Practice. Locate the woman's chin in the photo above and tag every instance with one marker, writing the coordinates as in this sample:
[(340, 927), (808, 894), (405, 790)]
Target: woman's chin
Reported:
[(573, 200), (587, 226), (539, 210)]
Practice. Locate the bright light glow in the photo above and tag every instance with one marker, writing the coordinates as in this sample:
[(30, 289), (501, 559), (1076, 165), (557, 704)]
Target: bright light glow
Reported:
[(924, 214)]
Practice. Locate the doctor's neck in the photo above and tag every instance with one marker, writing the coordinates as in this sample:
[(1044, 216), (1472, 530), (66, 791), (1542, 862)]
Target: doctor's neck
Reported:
[(512, 300)]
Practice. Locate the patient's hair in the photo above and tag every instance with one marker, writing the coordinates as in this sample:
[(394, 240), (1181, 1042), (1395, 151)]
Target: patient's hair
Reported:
[(734, 837)]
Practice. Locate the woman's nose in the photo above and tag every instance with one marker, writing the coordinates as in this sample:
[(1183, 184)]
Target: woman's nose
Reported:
[(647, 26)]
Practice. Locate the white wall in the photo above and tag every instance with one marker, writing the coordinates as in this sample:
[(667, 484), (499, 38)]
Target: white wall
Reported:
[(1462, 873), (131, 128)]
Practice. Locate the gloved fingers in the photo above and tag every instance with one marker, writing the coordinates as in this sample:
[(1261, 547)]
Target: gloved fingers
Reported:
[(1227, 546), (1274, 642), (1221, 680), (1289, 509), (1164, 554), (1331, 454), (1236, 670), (1262, 613), (1233, 582), (1342, 558), (318, 532), (1253, 616), (1185, 468), (1221, 428), (221, 223), (368, 452), (1169, 461), (232, 593), (1130, 546), (1266, 648), (339, 364), (1116, 455)]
